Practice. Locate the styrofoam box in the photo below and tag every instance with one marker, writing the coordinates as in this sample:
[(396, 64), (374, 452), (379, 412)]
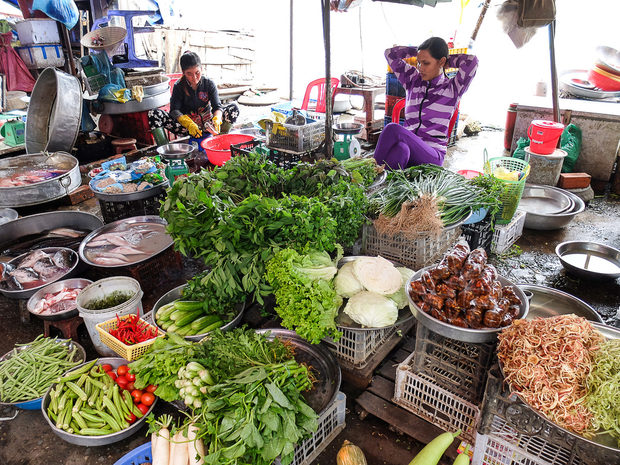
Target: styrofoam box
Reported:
[(37, 31), (42, 56)]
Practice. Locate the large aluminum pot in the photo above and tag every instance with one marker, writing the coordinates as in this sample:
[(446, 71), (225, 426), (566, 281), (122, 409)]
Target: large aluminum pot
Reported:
[(54, 112), (43, 191)]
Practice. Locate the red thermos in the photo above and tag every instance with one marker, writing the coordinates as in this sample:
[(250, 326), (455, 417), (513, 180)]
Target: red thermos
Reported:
[(511, 117)]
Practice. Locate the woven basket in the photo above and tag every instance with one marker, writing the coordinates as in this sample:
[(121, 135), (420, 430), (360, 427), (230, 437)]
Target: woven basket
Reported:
[(512, 195), (129, 353)]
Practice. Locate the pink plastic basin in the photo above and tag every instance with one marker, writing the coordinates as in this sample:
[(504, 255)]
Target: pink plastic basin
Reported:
[(217, 148)]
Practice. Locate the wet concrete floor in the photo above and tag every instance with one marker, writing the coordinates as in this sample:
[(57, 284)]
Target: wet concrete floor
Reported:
[(28, 440)]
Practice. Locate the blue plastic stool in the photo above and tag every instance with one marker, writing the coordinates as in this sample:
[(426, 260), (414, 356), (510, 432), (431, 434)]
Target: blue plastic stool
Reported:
[(128, 15)]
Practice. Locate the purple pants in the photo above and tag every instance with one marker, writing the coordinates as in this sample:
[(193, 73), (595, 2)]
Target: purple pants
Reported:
[(398, 147)]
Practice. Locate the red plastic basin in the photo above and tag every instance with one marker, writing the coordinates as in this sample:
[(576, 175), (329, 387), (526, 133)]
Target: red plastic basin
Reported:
[(469, 174), (217, 148)]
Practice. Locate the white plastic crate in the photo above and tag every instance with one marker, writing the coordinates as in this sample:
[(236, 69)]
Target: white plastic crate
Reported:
[(421, 396), (331, 423), (506, 235), (505, 446), (37, 31), (413, 253), (355, 347), (42, 56), (293, 138)]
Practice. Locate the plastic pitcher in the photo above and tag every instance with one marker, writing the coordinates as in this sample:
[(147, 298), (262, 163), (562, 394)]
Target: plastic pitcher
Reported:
[(544, 136)]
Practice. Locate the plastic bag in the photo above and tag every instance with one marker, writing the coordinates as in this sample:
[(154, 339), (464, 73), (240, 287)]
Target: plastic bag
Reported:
[(570, 142), (18, 76), (114, 93), (520, 150), (63, 11)]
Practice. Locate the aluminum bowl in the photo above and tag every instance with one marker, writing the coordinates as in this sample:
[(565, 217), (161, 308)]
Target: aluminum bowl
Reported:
[(547, 302), (456, 332), (7, 214), (27, 293), (324, 365), (176, 151), (90, 441), (606, 259), (545, 200), (556, 221), (175, 294), (35, 404), (75, 283)]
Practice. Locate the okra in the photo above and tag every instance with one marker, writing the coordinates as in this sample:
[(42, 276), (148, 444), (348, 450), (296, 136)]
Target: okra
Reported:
[(77, 406), (129, 403), (90, 417), (80, 382), (79, 420), (78, 391), (95, 432), (112, 410), (98, 384), (66, 421), (118, 402), (110, 421), (63, 400), (75, 374)]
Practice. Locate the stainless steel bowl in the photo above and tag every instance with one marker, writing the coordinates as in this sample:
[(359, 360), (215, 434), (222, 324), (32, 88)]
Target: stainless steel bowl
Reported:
[(175, 294), (455, 332), (323, 363), (76, 283), (546, 302), (130, 196), (176, 151), (27, 293), (90, 441), (348, 128), (545, 200), (7, 214), (80, 356), (547, 222), (589, 260)]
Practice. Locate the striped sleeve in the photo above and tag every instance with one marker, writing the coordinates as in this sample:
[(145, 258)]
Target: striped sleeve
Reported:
[(467, 65), (395, 57)]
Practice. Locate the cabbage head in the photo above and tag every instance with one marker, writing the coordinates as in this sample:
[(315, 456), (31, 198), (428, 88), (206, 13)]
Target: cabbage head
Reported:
[(346, 284), (371, 310)]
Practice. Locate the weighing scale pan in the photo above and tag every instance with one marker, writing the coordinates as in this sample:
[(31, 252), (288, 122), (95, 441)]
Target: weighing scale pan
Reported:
[(348, 128), (544, 201), (176, 151)]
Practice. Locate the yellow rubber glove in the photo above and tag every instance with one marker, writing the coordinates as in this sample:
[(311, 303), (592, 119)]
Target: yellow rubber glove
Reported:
[(191, 127), (217, 122)]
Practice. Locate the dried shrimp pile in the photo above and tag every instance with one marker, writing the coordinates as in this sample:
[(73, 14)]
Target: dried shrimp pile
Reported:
[(547, 361)]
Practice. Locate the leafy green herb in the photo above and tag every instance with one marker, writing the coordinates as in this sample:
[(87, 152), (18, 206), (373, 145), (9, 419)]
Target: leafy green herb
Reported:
[(109, 301)]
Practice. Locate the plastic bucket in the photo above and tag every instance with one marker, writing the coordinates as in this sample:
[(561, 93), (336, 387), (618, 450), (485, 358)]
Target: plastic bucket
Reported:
[(99, 290), (544, 136), (217, 148), (545, 169)]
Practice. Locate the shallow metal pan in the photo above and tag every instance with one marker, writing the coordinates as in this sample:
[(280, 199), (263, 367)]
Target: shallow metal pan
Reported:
[(548, 302), (603, 261)]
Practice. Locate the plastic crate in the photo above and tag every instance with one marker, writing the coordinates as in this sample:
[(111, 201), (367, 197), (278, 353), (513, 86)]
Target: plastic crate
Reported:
[(42, 56), (390, 101), (457, 366), (331, 423), (393, 86), (244, 148), (128, 352), (113, 211), (505, 235), (293, 138), (413, 253), (418, 394), (138, 456), (356, 347), (507, 446), (479, 234), (388, 119)]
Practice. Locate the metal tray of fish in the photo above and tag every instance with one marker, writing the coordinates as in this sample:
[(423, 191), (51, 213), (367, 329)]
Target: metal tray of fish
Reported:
[(119, 243), (345, 322), (52, 229), (131, 196), (25, 275), (323, 365), (37, 178)]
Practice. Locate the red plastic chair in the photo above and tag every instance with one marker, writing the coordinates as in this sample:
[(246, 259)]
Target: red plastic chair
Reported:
[(320, 100), (400, 105)]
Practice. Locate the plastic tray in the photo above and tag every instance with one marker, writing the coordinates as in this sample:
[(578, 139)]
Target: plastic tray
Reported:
[(506, 235), (420, 395), (113, 211), (413, 253), (128, 352), (460, 367), (356, 347)]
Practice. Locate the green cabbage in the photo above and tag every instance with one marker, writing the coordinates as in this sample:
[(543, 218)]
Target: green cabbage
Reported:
[(400, 296), (371, 310), (346, 284)]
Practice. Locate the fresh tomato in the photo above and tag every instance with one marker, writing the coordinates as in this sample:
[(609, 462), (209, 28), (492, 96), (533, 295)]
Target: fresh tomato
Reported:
[(111, 374), (143, 408), (131, 418), (136, 394), (131, 376), (122, 370), (122, 382), (147, 398), (106, 367), (151, 388), (130, 387)]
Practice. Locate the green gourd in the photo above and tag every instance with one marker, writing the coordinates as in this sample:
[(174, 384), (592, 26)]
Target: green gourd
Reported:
[(350, 454), (432, 452), (462, 458)]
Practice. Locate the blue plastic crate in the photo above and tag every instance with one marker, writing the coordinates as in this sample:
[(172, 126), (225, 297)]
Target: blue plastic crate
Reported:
[(388, 119), (393, 86), (137, 456)]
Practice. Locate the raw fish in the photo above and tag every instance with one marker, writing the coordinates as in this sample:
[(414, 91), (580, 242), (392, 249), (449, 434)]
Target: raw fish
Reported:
[(126, 251)]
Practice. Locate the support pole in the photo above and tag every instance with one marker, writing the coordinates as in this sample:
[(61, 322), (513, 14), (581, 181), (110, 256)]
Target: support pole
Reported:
[(329, 142), (554, 74), (290, 54), (485, 7)]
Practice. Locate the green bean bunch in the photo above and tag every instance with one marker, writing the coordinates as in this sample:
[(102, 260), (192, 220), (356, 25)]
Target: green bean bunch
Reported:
[(30, 371)]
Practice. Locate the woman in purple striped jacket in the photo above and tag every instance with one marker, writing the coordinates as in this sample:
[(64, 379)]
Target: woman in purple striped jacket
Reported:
[(431, 100)]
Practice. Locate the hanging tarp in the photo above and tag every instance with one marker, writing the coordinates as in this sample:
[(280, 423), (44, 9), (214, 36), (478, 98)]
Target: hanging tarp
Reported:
[(18, 76)]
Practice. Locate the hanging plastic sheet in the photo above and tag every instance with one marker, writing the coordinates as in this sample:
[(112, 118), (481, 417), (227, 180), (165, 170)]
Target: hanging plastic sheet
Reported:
[(18, 76), (63, 11)]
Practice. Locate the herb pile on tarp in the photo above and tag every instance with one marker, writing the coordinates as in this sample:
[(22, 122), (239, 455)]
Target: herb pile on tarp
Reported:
[(238, 216), (426, 188)]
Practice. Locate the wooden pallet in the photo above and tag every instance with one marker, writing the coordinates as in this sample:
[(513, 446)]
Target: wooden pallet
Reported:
[(377, 400)]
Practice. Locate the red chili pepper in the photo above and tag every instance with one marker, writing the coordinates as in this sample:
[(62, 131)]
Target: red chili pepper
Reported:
[(131, 330)]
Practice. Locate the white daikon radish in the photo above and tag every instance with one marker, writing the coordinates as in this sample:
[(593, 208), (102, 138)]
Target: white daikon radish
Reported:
[(377, 275), (160, 442), (178, 449), (195, 447)]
